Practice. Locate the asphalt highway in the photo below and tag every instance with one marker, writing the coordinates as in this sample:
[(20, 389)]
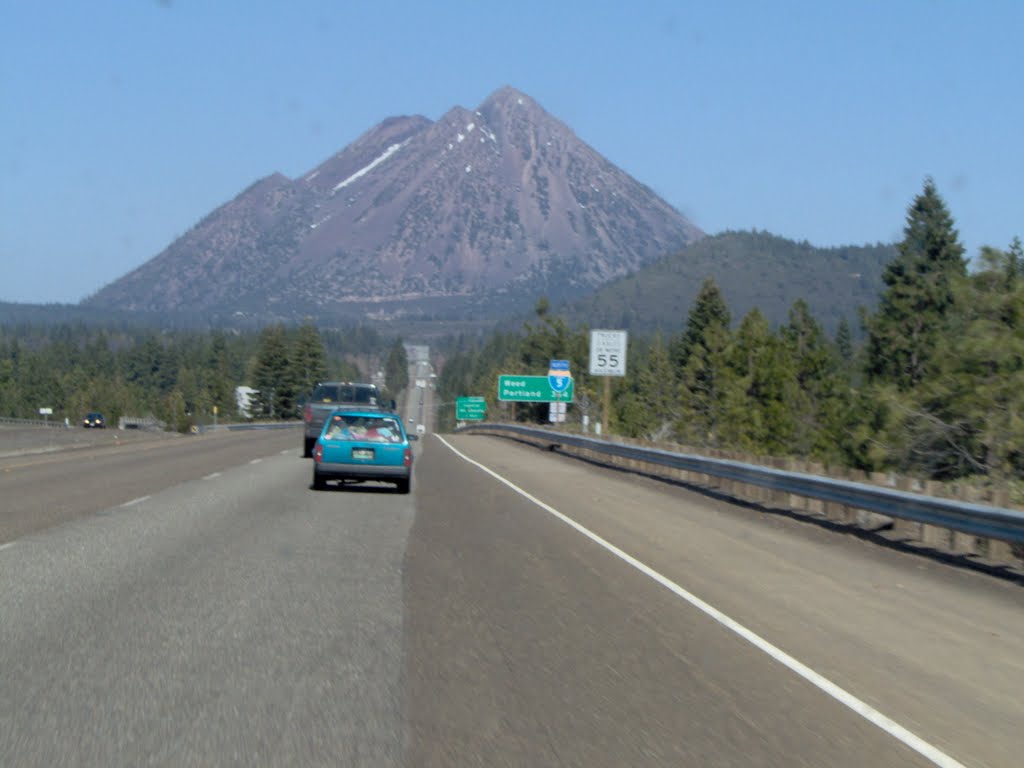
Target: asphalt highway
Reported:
[(194, 602)]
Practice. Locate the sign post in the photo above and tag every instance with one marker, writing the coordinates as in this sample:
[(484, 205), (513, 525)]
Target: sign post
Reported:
[(607, 359)]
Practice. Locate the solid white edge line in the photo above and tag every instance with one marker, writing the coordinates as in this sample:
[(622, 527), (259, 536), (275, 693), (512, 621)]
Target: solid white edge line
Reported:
[(133, 502), (862, 708)]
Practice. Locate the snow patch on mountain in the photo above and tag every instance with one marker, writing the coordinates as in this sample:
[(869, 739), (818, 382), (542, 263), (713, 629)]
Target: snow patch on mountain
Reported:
[(366, 169)]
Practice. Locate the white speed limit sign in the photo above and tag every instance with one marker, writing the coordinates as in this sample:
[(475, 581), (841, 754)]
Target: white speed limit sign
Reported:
[(608, 353)]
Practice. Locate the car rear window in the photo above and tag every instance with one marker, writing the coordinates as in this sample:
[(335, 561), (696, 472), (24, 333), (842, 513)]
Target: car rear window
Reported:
[(373, 429), (345, 393)]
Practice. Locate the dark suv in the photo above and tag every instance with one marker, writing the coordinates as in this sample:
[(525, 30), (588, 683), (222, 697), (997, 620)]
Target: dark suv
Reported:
[(329, 396)]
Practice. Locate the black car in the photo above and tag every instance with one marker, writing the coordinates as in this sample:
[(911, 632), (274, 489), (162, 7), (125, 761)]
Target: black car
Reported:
[(94, 420)]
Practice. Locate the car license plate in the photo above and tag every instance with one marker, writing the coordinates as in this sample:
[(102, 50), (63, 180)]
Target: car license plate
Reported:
[(362, 453)]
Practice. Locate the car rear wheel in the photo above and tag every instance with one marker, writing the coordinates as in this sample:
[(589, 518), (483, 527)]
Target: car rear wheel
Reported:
[(402, 486), (307, 447), (319, 483)]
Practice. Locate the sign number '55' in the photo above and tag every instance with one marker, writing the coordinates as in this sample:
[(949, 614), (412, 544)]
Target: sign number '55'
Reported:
[(608, 353)]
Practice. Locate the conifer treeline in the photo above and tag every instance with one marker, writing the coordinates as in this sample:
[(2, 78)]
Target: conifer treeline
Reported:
[(177, 377), (935, 389)]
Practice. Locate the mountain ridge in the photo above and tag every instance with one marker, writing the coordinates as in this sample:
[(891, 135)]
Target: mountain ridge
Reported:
[(478, 211), (753, 269)]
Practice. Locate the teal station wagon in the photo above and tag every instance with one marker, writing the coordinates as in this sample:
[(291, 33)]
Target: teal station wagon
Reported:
[(355, 446)]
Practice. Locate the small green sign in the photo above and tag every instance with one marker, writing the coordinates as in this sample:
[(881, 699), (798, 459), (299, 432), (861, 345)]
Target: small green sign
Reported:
[(470, 408), (532, 389)]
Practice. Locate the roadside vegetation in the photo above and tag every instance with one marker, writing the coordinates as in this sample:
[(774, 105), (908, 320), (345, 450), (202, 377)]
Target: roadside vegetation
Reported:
[(181, 378), (930, 384)]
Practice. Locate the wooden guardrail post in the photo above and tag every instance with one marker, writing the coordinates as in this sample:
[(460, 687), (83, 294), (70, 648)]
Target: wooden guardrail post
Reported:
[(964, 543), (1002, 551), (909, 529), (933, 535)]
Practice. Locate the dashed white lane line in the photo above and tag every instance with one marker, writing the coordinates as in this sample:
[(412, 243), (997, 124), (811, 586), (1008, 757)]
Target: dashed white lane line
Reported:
[(139, 500), (6, 546), (862, 708), (256, 461), (211, 476)]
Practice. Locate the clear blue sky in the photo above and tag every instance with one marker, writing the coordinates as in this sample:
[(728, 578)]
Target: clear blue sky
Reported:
[(122, 123)]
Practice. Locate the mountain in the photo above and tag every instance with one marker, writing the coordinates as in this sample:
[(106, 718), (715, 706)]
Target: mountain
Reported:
[(753, 269), (472, 215)]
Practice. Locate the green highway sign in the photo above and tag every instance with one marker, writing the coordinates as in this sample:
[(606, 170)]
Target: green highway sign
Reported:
[(532, 389), (470, 408)]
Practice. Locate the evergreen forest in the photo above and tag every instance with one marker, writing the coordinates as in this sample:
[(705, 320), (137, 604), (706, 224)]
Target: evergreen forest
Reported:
[(180, 378), (929, 384)]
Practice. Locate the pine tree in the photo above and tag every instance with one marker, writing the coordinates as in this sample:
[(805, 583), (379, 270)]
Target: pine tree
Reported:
[(650, 403), (919, 294), (817, 380), (844, 342), (708, 309), (153, 365), (309, 360), (9, 389), (703, 378), (550, 339), (272, 375), (396, 369), (172, 411), (1014, 262), (758, 415), (968, 418)]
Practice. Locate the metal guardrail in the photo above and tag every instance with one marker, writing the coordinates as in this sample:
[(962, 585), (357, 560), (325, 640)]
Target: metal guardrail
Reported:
[(268, 425), (31, 422), (245, 426), (140, 422), (975, 519)]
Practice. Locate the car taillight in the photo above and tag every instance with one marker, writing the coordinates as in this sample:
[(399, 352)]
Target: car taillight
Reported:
[(318, 452), (408, 457), (308, 414)]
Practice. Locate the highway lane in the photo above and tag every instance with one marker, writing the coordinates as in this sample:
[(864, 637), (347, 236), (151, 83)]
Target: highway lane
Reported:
[(82, 471), (549, 649), (237, 617), (242, 619), (419, 405)]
